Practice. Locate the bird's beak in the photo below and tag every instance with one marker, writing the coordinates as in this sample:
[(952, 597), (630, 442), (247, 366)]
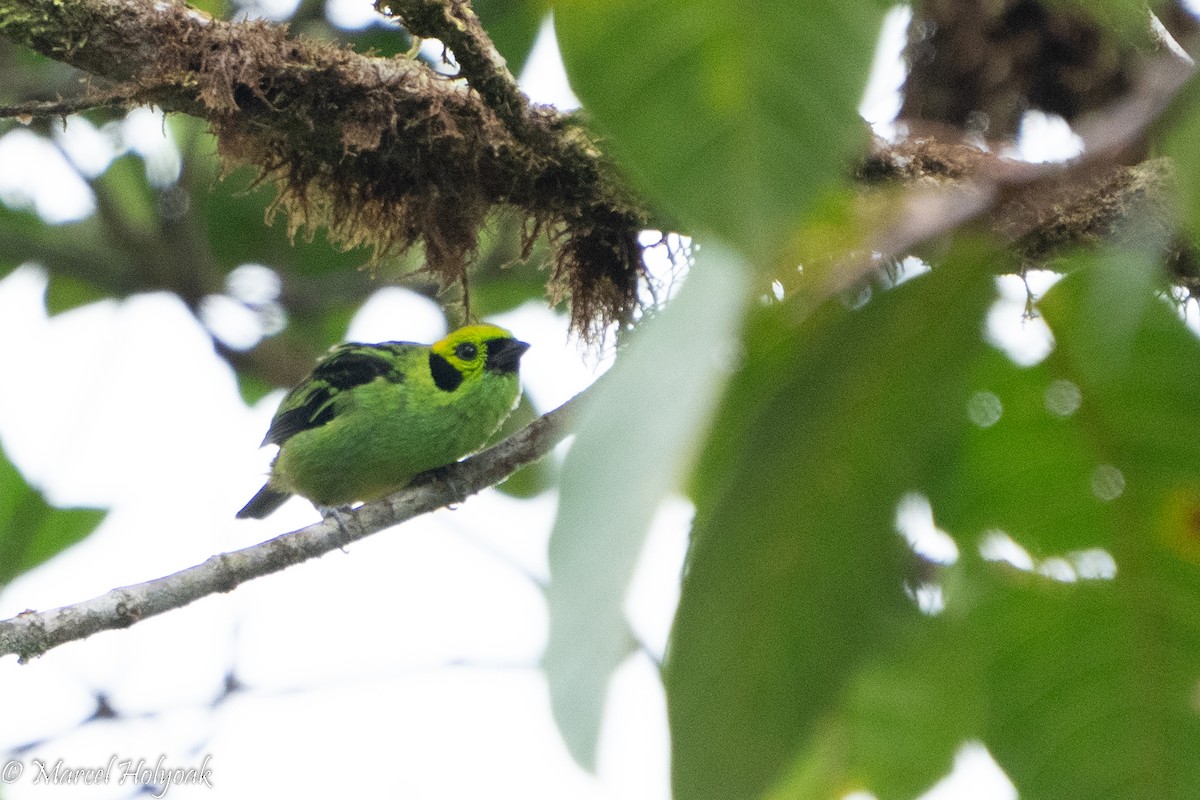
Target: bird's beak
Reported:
[(504, 355)]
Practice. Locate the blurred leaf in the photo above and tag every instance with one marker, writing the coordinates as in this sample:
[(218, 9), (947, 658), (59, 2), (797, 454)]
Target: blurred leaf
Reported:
[(123, 186), (816, 772), (18, 230), (381, 40), (252, 389), (732, 116), (1091, 687), (635, 442), (794, 577), (1133, 644), (64, 293), (1180, 145), (513, 26), (26, 75), (216, 8), (531, 479), (1128, 19), (901, 719), (233, 209), (1096, 455), (31, 531), (908, 712), (1083, 689), (500, 280), (79, 250), (493, 294), (1028, 472)]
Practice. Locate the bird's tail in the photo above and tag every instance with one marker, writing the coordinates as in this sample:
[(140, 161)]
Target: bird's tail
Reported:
[(263, 503)]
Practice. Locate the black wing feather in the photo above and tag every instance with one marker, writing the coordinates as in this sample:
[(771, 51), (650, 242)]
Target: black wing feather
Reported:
[(315, 412), (310, 405)]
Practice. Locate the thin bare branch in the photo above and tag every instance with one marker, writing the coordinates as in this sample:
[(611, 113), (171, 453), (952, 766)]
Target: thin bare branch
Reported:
[(63, 108), (32, 633)]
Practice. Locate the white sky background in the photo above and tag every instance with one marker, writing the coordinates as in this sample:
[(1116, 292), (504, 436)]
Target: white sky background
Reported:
[(408, 663)]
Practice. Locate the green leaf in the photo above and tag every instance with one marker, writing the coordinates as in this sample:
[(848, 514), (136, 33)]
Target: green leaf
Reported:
[(64, 293), (1028, 472), (908, 712), (794, 579), (76, 249), (531, 479), (500, 279), (732, 116), (1028, 468), (1140, 416), (636, 441), (1180, 145), (232, 210), (902, 717), (513, 26), (384, 41), (32, 531), (215, 8), (123, 186), (817, 772), (1091, 685)]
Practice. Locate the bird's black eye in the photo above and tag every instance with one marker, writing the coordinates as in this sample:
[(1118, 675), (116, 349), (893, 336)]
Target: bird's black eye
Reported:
[(466, 351)]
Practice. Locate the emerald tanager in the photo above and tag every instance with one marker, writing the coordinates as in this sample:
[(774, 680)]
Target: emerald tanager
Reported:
[(372, 416)]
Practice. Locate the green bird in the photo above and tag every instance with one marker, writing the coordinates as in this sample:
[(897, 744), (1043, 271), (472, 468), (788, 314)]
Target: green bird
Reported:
[(370, 417)]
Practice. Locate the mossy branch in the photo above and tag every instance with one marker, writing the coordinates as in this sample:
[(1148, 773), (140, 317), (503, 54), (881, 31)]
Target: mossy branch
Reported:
[(381, 152), (65, 107), (387, 153), (32, 633), (454, 23), (1044, 209)]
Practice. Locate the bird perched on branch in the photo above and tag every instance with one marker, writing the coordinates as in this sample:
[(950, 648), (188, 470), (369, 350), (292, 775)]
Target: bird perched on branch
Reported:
[(372, 416)]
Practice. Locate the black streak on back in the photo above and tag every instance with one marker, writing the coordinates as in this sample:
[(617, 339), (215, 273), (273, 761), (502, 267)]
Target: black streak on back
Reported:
[(349, 368), (342, 370)]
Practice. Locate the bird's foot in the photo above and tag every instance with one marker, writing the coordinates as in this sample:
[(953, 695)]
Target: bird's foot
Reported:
[(446, 475), (339, 514)]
